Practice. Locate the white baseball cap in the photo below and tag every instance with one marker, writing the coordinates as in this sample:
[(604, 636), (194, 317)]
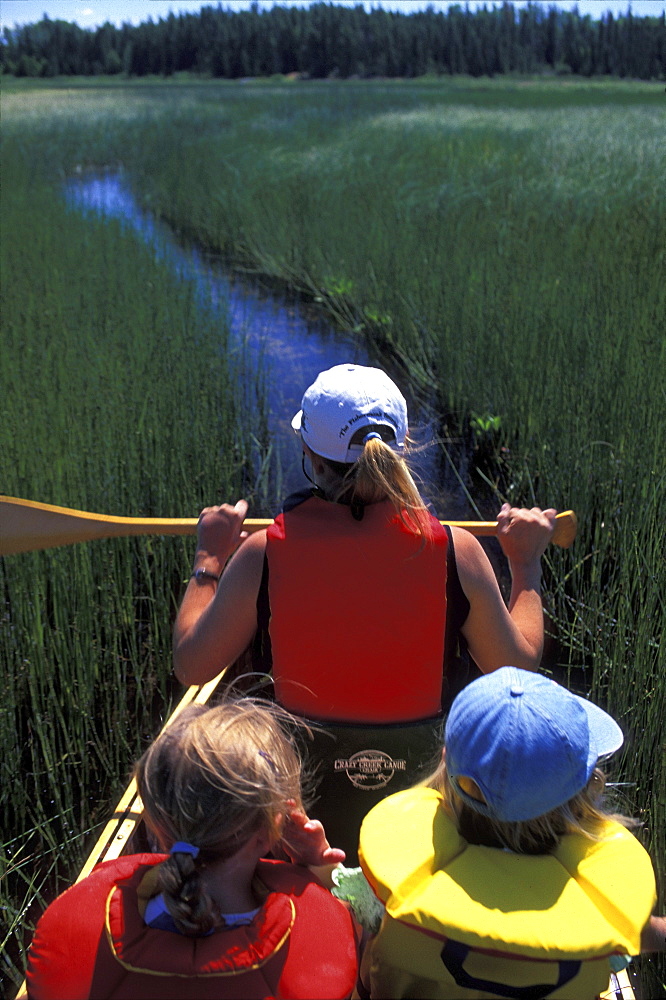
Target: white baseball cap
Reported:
[(343, 399)]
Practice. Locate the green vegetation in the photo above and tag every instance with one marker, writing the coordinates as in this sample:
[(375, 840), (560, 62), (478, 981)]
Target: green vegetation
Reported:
[(116, 395), (505, 239), (329, 40)]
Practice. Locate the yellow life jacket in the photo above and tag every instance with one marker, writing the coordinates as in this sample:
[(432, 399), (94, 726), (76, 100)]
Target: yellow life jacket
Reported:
[(464, 921)]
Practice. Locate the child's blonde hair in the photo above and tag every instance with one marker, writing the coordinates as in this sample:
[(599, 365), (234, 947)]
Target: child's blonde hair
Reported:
[(583, 814), (212, 779), (380, 473)]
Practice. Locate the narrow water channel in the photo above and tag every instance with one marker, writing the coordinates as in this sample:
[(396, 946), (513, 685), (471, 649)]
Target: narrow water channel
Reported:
[(284, 342)]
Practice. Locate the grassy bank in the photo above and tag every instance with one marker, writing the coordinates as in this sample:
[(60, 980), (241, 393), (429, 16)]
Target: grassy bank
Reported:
[(506, 238)]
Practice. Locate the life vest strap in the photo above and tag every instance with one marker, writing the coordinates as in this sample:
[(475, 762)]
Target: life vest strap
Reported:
[(454, 954)]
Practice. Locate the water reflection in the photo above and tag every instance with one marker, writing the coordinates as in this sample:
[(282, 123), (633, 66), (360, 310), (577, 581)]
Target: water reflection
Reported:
[(286, 343)]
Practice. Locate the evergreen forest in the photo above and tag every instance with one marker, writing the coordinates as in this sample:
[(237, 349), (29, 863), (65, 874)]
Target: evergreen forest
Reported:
[(327, 40)]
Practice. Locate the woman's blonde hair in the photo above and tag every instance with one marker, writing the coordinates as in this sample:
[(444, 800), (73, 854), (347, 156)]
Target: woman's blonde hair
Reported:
[(583, 814), (378, 474), (214, 778)]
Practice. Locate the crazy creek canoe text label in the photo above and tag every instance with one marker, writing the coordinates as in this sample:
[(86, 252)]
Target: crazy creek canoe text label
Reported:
[(369, 769)]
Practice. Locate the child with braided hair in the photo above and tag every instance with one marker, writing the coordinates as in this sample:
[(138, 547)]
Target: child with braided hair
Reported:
[(221, 789)]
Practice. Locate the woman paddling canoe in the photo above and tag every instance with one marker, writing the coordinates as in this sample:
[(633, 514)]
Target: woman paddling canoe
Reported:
[(363, 595)]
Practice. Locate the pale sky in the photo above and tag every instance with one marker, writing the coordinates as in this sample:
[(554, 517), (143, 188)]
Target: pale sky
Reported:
[(95, 12)]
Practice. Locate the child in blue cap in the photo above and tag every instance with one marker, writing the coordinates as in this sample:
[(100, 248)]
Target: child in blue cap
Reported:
[(504, 875)]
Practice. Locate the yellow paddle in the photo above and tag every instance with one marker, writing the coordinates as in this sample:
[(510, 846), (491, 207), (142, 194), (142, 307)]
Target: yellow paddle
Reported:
[(26, 525)]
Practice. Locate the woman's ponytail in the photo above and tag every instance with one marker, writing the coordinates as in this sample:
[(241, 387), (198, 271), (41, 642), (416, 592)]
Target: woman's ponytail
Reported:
[(380, 473)]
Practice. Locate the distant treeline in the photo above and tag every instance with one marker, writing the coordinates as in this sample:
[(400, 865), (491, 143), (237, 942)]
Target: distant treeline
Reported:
[(326, 40)]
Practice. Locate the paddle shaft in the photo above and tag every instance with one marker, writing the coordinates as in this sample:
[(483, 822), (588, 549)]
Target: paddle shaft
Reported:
[(26, 525)]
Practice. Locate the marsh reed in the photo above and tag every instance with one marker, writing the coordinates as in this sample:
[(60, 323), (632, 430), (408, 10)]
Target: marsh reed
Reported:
[(506, 239), (116, 395)]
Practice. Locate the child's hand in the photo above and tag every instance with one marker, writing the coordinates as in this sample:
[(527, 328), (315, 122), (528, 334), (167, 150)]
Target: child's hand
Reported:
[(305, 841)]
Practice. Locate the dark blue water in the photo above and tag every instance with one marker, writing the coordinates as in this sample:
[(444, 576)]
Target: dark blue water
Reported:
[(282, 343)]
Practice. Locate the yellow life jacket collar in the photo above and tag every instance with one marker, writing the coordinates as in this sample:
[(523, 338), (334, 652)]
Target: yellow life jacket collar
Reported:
[(586, 899)]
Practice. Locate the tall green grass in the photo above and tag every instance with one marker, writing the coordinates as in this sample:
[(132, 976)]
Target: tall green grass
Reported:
[(506, 239), (117, 395)]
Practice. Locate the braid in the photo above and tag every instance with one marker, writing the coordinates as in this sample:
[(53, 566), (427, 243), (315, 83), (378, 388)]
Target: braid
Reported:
[(192, 909)]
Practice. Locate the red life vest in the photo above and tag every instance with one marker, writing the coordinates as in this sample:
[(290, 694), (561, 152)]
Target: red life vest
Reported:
[(92, 942), (358, 613)]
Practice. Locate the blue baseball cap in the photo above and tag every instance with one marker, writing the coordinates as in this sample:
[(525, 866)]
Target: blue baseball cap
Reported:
[(528, 743)]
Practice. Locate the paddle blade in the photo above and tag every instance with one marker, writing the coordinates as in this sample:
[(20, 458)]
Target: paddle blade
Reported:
[(566, 526), (26, 526)]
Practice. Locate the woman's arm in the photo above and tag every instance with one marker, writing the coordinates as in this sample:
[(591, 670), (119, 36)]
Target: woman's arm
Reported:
[(498, 636), (217, 621)]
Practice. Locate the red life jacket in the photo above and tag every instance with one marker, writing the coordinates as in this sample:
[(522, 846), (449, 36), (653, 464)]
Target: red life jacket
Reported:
[(358, 613), (92, 942)]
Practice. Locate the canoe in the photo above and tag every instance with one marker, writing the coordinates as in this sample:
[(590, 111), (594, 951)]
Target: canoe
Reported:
[(619, 987), (128, 814), (29, 526)]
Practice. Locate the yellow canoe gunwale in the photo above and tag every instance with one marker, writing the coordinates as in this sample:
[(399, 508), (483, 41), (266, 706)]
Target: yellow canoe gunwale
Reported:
[(128, 813)]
